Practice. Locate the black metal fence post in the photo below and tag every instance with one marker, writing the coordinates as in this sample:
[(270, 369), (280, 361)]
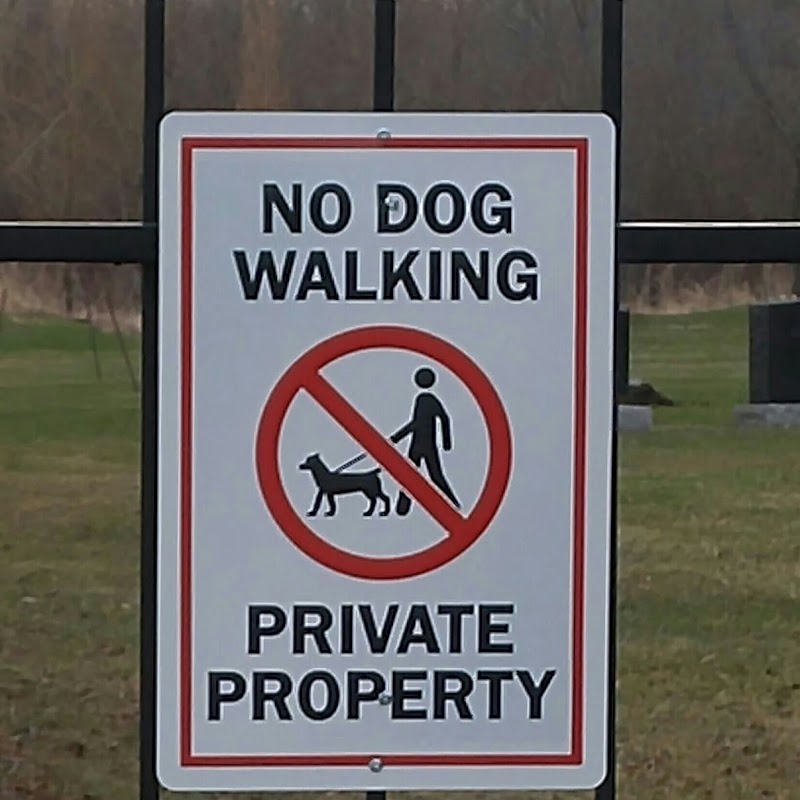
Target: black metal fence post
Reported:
[(383, 100), (612, 105), (153, 110), (383, 70)]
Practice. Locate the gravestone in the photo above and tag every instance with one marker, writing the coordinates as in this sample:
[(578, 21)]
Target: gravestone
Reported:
[(630, 418), (775, 353), (774, 359)]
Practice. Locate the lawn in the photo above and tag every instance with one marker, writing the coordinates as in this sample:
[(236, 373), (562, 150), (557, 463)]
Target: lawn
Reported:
[(709, 615)]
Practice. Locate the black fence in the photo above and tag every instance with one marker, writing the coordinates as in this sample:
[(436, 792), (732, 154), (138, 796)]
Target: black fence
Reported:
[(137, 242)]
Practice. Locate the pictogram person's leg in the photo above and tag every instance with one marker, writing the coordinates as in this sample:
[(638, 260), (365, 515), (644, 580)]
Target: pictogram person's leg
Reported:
[(434, 467), (403, 500)]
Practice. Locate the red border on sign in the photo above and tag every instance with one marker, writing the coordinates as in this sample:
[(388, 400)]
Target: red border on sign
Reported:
[(580, 146), (304, 374)]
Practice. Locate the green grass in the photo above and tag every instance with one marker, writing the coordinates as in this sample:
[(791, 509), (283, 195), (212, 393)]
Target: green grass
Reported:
[(69, 573), (709, 614), (710, 577)]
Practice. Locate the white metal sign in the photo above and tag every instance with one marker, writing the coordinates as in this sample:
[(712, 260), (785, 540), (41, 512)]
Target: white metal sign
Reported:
[(385, 438)]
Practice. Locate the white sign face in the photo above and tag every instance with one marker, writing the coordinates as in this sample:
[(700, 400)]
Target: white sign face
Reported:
[(385, 439)]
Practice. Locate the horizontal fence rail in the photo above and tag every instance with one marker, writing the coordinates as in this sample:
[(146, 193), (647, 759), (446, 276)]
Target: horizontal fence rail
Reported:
[(89, 242), (639, 242), (709, 242)]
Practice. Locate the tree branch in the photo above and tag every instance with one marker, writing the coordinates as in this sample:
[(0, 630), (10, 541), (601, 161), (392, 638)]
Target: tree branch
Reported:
[(757, 85)]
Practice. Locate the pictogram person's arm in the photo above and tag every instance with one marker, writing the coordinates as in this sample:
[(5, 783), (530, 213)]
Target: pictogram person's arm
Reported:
[(398, 436), (444, 421)]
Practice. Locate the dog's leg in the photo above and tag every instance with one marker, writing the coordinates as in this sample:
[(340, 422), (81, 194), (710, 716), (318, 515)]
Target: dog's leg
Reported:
[(371, 509), (387, 504), (317, 504), (403, 504), (331, 505)]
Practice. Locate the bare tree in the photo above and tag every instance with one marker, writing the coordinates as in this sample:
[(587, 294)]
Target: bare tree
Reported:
[(203, 40), (779, 107), (258, 66), (712, 118), (501, 55)]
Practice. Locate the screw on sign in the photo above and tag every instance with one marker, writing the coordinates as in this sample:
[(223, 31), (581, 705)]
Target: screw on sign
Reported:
[(436, 496)]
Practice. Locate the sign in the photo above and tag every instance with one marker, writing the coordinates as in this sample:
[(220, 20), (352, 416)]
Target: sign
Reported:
[(385, 446)]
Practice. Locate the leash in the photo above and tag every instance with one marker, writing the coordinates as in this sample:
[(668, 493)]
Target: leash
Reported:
[(352, 461), (359, 457)]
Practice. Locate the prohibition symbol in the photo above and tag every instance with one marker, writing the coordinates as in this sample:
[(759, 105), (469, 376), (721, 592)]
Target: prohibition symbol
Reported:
[(305, 375)]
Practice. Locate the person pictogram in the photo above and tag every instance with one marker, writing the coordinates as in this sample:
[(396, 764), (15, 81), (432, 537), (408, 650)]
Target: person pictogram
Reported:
[(428, 418), (428, 414)]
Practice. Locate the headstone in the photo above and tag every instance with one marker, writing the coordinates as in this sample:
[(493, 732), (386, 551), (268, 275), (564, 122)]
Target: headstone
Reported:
[(634, 419), (774, 415), (775, 353)]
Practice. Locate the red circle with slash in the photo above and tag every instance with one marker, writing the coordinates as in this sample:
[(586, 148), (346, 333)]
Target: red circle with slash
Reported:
[(305, 375)]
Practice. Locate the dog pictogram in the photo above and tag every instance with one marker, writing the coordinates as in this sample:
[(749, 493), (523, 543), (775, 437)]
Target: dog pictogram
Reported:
[(332, 483)]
